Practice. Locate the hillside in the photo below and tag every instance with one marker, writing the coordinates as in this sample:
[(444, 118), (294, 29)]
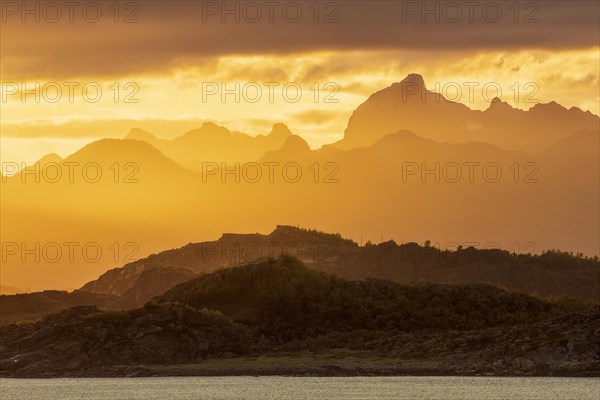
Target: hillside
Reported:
[(279, 308), (285, 300), (554, 275), (312, 247), (33, 306), (84, 337), (550, 274)]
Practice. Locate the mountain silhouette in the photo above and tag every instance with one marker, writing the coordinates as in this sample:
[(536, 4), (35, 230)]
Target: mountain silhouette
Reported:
[(49, 158), (399, 183), (556, 274), (409, 105), (101, 156), (152, 162), (215, 144), (293, 149)]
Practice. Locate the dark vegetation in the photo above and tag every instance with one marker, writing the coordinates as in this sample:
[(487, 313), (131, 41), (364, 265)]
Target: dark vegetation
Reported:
[(553, 274), (550, 274), (279, 306), (84, 337), (562, 278), (285, 300)]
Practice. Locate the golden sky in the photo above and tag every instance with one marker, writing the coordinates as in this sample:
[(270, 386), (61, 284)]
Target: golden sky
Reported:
[(162, 60), (72, 73)]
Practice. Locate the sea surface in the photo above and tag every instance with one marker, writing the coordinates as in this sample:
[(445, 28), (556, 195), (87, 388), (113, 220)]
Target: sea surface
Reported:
[(279, 388)]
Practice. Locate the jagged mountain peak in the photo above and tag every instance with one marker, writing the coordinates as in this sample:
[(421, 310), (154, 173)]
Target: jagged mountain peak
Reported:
[(295, 143), (280, 129), (412, 79), (498, 104)]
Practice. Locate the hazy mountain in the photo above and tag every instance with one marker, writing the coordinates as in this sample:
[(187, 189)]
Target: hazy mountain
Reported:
[(49, 158), (110, 179), (405, 185), (116, 160), (101, 196), (152, 163), (142, 135), (311, 247), (149, 283), (141, 287), (579, 144), (409, 105), (477, 190), (294, 148), (215, 144)]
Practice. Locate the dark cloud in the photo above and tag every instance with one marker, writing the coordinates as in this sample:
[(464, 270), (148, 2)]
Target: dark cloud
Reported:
[(175, 33)]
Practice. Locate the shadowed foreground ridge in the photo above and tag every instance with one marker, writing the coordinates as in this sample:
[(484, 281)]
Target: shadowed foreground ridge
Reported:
[(280, 308), (284, 298), (552, 273)]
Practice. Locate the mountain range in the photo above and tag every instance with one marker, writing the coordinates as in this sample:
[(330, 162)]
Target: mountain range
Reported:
[(406, 169), (409, 105), (214, 143)]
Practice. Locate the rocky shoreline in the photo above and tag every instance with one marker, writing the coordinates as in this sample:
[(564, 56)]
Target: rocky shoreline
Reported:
[(249, 321)]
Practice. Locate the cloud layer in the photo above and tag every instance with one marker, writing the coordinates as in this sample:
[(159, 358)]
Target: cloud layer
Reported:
[(150, 36)]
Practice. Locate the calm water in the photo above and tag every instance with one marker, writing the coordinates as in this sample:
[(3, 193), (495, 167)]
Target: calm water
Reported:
[(279, 388)]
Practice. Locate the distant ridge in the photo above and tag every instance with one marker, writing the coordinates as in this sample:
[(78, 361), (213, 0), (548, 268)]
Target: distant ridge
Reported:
[(215, 143), (409, 105), (333, 254)]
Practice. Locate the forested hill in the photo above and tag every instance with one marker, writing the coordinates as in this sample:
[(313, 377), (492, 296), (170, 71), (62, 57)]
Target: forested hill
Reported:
[(286, 300), (553, 273), (280, 308)]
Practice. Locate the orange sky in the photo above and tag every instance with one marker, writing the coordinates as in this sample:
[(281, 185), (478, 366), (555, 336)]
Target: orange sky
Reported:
[(165, 60), (70, 76)]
